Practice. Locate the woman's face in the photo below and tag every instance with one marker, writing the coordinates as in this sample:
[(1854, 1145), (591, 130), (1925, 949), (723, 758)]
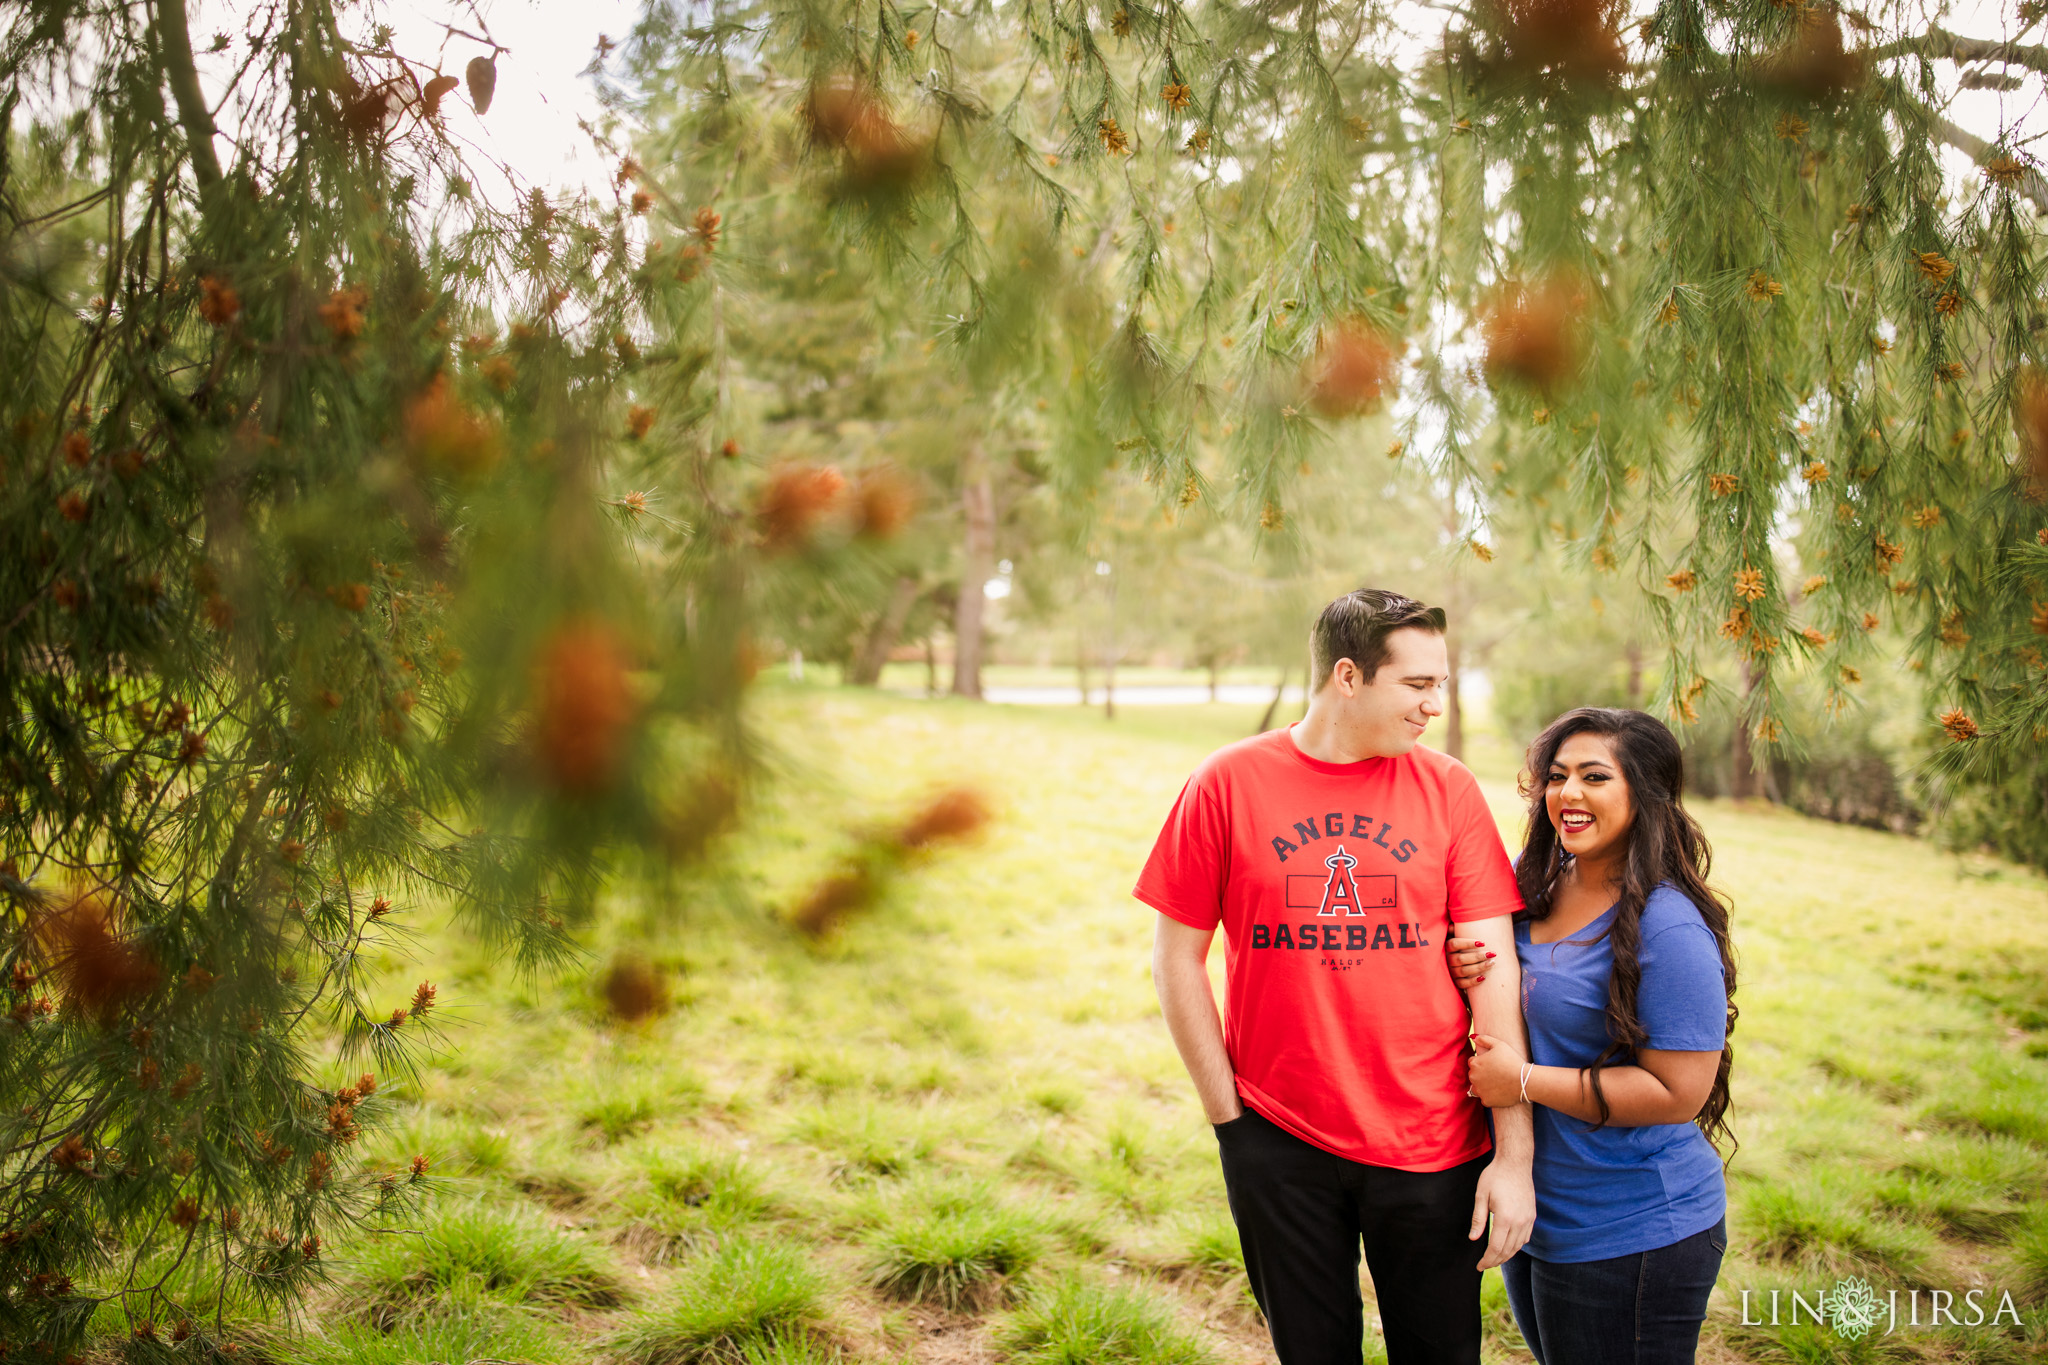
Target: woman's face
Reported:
[(1587, 797)]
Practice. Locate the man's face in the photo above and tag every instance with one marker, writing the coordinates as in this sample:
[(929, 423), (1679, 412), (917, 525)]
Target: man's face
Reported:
[(1387, 715)]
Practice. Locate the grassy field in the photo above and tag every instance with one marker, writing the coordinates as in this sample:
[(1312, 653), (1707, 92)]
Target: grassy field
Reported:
[(957, 1130)]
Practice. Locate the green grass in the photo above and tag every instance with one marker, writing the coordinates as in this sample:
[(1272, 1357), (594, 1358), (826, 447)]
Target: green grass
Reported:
[(1497, 1316), (2029, 1257), (956, 1254), (463, 1328), (1809, 1344), (865, 1140), (2014, 1106), (616, 1106), (742, 1300), (1077, 1323), (1060, 1101), (1966, 1187), (1211, 1244), (1823, 1223), (682, 1196), (508, 1253), (462, 1144), (984, 1045)]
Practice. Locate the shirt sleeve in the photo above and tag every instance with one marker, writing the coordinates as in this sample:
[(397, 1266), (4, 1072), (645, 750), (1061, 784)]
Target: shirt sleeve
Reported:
[(1683, 999), (1479, 883), (1184, 877)]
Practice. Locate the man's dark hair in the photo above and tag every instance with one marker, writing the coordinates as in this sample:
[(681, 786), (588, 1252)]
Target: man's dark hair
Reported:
[(1356, 626)]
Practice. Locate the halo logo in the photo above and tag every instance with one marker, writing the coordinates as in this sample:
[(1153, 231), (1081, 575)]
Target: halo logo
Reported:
[(1339, 891)]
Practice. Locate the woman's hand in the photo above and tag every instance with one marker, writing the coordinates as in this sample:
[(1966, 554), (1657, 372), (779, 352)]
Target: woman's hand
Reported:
[(1468, 960), (1496, 1072)]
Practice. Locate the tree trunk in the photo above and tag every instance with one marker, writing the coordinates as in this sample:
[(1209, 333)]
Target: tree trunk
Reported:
[(978, 501), (882, 636), (1109, 657), (1279, 691), (1635, 675), (1454, 710), (1081, 656), (1212, 681), (1742, 774), (931, 667), (182, 74)]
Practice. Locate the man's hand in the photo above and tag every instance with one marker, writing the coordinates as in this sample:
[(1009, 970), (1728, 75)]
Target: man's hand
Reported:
[(1508, 1195)]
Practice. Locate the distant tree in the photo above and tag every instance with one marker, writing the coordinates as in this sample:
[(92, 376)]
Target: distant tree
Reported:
[(1703, 260)]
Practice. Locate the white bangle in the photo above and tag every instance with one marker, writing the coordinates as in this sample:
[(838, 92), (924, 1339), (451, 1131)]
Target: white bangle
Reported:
[(1528, 1068)]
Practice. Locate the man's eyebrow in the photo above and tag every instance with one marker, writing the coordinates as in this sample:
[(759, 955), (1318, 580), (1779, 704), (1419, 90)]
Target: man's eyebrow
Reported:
[(1426, 677)]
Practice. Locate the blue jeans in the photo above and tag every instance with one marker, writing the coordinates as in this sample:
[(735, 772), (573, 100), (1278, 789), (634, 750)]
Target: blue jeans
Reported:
[(1644, 1309)]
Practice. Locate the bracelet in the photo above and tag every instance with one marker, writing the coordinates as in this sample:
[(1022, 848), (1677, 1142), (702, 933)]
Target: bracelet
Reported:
[(1528, 1068)]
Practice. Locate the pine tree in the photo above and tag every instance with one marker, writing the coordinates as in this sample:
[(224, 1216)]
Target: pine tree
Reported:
[(1694, 277), (362, 529), (317, 612)]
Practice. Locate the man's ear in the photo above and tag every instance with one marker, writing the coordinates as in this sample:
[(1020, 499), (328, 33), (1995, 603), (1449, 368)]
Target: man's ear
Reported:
[(1346, 677)]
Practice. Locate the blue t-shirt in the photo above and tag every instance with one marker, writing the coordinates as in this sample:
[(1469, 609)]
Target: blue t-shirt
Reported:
[(1618, 1191)]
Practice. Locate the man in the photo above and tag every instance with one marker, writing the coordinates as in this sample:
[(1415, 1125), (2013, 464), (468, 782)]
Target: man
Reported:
[(1337, 855)]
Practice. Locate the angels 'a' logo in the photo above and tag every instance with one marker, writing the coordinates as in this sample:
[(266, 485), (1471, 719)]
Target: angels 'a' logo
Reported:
[(1340, 893)]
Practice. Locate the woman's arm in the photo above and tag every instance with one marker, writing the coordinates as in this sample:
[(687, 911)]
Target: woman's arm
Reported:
[(1682, 999), (1664, 1087)]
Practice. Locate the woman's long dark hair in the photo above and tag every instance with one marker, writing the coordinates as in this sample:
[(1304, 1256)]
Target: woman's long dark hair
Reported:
[(1665, 844)]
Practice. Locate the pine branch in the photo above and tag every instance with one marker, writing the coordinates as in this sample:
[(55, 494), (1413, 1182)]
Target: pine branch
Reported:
[(1941, 45), (2032, 185), (179, 70)]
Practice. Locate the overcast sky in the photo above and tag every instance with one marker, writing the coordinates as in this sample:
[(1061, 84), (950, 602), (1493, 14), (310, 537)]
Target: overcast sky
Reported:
[(532, 124)]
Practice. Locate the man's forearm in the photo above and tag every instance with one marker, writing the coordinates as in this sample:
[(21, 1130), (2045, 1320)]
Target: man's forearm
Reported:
[(1497, 1012), (1182, 979), (1514, 1134)]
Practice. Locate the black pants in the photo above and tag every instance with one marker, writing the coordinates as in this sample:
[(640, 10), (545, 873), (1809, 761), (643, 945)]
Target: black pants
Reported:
[(1644, 1309), (1302, 1214)]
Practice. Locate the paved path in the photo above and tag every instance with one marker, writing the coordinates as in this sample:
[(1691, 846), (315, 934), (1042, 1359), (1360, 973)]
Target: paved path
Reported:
[(1476, 685), (1239, 694)]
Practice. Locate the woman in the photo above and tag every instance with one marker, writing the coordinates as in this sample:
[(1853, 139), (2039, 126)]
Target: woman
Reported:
[(1626, 979)]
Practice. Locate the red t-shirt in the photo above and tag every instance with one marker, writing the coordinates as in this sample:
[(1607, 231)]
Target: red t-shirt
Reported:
[(1336, 884)]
